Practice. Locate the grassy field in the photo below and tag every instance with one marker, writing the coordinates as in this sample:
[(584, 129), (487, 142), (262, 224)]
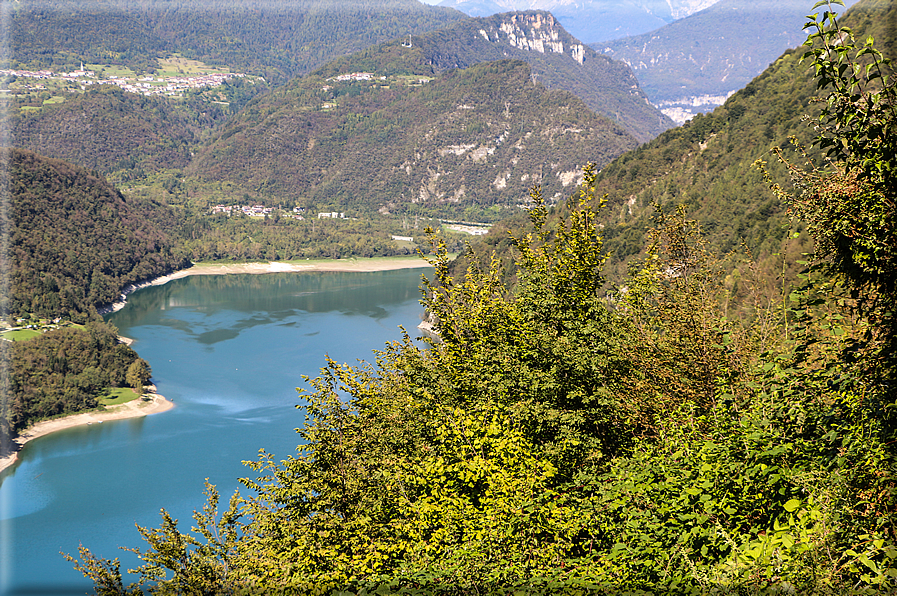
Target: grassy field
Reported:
[(20, 334), (118, 395), (176, 65), (411, 80)]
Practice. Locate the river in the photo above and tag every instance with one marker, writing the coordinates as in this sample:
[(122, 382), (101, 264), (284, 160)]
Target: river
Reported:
[(229, 351)]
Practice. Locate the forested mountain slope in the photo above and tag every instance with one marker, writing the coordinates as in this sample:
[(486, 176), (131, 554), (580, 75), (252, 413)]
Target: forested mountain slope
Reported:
[(75, 241), (108, 130), (473, 138), (711, 53), (277, 40), (62, 371), (558, 61)]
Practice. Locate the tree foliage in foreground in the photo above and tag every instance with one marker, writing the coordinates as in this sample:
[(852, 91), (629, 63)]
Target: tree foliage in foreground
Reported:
[(849, 202), (557, 438)]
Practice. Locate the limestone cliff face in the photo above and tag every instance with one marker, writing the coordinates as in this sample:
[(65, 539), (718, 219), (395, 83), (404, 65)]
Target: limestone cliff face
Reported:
[(533, 32)]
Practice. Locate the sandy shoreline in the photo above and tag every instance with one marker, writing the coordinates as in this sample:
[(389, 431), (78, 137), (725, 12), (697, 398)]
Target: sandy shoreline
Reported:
[(151, 403), (359, 265)]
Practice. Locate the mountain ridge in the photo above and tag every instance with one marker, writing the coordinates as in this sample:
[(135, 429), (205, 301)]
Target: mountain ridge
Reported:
[(558, 60), (591, 20), (75, 241)]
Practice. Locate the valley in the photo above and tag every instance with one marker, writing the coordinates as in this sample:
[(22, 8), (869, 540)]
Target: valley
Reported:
[(662, 357)]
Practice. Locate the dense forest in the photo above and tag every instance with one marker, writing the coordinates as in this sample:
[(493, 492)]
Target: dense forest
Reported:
[(558, 437), (110, 131), (75, 242), (240, 238), (61, 372)]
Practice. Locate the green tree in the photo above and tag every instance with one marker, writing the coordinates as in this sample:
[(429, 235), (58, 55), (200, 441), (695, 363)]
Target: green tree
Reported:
[(850, 202), (138, 374)]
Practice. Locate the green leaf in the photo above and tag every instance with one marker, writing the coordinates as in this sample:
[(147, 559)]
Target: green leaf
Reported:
[(791, 505)]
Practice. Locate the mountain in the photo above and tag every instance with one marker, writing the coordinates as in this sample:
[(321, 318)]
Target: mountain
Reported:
[(74, 241), (707, 163), (694, 64), (277, 40), (592, 20), (389, 133), (558, 61)]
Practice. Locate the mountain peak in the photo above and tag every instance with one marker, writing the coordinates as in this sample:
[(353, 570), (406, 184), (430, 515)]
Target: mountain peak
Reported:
[(533, 31)]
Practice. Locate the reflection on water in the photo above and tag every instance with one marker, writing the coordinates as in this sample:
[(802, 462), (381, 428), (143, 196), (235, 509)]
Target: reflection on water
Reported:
[(276, 296), (230, 352)]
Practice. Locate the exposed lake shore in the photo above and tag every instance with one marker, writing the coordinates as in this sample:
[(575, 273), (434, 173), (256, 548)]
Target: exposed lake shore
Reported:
[(355, 264), (150, 403)]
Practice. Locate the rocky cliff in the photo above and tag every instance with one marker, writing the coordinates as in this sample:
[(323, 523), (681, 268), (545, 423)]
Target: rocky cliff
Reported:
[(592, 20)]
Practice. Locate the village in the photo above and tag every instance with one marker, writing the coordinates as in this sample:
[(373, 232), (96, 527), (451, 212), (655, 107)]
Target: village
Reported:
[(255, 211), (170, 86)]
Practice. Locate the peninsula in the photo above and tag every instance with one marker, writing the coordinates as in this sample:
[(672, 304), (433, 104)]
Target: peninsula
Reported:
[(149, 403)]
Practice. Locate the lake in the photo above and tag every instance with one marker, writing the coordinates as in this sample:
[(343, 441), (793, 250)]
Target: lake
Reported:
[(229, 351)]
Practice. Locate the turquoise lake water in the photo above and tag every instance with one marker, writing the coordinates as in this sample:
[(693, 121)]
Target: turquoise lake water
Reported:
[(230, 352)]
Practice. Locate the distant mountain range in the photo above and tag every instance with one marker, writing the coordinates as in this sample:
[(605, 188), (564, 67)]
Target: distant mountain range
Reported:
[(592, 20), (694, 64)]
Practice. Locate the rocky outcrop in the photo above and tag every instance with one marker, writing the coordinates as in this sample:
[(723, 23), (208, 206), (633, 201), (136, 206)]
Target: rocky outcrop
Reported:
[(534, 32)]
